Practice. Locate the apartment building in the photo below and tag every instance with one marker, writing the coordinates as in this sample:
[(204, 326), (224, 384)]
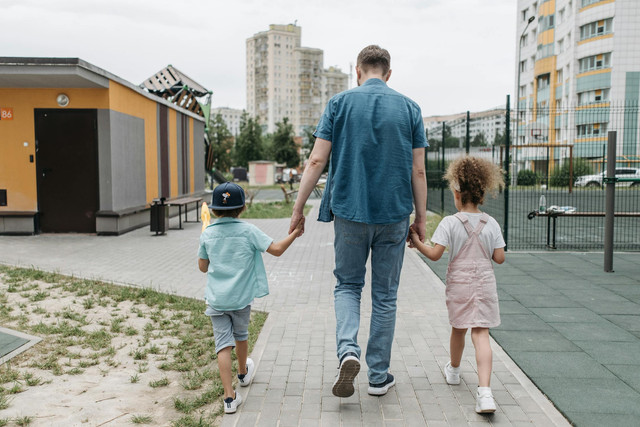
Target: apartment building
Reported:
[(489, 122), (578, 74), (231, 117), (285, 79)]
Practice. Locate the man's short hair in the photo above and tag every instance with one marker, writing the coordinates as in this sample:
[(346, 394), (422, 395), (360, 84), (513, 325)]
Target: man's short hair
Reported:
[(373, 56)]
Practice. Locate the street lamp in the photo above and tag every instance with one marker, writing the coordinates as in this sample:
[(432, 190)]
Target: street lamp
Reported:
[(514, 176)]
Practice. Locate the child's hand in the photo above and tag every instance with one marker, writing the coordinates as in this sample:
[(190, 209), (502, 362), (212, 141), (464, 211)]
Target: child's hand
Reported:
[(299, 228), (414, 238)]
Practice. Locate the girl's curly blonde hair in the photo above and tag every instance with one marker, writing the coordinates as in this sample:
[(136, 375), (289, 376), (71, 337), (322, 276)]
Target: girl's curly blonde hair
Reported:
[(472, 177)]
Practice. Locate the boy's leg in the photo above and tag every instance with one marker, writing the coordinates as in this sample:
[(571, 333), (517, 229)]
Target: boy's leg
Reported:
[(224, 366), (223, 337), (484, 355), (241, 319), (456, 346), (242, 351)]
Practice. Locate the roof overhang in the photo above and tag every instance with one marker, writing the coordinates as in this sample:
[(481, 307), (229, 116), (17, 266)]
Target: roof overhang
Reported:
[(49, 73)]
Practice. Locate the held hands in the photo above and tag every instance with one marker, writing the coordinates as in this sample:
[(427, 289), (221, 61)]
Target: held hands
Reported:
[(299, 229), (297, 223), (414, 238)]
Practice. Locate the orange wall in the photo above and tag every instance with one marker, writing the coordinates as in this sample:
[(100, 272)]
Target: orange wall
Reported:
[(17, 175)]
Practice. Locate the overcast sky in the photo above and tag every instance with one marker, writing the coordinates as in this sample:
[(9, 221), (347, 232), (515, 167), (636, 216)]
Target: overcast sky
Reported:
[(448, 55)]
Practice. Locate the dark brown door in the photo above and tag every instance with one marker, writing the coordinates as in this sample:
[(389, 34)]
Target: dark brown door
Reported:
[(67, 168)]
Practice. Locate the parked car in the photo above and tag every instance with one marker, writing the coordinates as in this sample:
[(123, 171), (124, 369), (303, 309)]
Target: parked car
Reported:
[(596, 180)]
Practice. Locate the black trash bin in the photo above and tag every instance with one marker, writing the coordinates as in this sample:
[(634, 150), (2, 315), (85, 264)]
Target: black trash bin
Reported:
[(159, 216)]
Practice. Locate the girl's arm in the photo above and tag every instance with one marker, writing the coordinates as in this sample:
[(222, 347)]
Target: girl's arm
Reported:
[(498, 255), (434, 253), (203, 265), (278, 248)]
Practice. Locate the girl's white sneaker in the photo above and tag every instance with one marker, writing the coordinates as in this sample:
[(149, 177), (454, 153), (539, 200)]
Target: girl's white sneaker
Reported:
[(485, 403), (451, 374)]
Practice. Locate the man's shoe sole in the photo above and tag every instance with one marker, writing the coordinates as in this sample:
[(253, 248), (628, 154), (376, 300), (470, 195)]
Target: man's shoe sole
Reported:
[(343, 386), (381, 391)]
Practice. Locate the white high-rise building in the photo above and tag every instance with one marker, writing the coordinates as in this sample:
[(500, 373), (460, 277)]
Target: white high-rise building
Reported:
[(287, 80), (578, 71), (232, 117)]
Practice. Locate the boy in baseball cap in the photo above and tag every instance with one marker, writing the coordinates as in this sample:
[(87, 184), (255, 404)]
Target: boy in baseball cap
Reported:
[(230, 253)]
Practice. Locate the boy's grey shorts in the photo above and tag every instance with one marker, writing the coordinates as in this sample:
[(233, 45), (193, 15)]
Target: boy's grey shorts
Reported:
[(229, 326)]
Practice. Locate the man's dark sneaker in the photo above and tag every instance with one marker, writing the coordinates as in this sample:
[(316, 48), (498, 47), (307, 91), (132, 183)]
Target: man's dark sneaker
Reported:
[(347, 372), (382, 388)]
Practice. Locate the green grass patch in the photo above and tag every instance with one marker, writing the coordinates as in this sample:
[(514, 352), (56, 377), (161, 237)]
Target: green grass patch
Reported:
[(188, 359), (270, 210)]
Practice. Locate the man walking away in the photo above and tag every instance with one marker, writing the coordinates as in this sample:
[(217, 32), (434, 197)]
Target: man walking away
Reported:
[(375, 140)]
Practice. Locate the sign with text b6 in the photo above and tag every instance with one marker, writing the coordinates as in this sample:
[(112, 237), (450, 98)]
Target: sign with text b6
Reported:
[(6, 113)]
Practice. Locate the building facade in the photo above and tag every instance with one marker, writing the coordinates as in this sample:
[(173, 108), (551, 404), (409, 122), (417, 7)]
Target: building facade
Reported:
[(285, 79), (84, 151), (231, 117), (490, 123), (578, 74)]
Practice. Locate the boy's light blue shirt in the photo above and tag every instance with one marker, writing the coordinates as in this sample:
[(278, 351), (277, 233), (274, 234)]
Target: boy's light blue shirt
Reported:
[(236, 272), (373, 130)]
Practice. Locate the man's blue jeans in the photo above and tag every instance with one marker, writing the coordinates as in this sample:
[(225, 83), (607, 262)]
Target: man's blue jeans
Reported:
[(353, 242)]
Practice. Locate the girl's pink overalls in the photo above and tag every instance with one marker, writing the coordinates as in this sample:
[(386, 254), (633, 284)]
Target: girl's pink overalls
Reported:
[(472, 297)]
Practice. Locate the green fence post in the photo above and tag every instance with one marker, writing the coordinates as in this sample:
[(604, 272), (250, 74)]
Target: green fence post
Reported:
[(507, 134)]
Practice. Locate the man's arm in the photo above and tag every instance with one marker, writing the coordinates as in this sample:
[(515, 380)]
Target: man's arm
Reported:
[(317, 161), (419, 188)]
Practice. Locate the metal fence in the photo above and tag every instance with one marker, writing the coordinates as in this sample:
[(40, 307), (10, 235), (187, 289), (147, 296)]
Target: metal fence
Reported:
[(550, 163)]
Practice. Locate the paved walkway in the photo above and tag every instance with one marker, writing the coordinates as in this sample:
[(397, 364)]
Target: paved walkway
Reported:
[(295, 353)]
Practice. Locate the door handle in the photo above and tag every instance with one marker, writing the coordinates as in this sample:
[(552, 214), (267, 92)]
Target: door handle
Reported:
[(45, 171)]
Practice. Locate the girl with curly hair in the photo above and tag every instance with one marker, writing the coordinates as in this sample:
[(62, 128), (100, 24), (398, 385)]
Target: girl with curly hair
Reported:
[(474, 239)]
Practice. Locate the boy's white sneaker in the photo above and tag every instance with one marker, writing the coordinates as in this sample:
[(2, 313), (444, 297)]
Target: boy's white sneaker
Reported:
[(246, 378), (451, 374), (485, 403), (231, 405)]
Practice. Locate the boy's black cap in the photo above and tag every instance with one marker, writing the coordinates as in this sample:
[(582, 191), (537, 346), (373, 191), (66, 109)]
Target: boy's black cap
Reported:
[(227, 196)]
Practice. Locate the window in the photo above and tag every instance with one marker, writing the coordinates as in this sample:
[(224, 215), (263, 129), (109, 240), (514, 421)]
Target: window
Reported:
[(592, 130), (559, 76), (546, 22), (523, 66), (523, 91), (593, 96), (560, 45), (544, 50), (596, 28), (596, 62), (586, 3), (543, 81), (524, 14), (524, 40), (561, 16)]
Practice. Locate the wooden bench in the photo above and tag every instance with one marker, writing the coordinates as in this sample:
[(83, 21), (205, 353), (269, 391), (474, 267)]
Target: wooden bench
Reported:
[(287, 194), (552, 216), (185, 201)]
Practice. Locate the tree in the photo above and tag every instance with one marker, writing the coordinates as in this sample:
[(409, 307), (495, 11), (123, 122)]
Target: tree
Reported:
[(284, 148), (249, 144), (479, 140), (221, 142)]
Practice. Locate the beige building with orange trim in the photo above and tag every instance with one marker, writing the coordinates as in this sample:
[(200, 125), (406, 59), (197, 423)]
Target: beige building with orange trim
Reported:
[(82, 150), (579, 62)]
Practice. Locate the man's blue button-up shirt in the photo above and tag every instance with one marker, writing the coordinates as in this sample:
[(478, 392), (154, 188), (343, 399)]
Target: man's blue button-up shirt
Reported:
[(373, 130)]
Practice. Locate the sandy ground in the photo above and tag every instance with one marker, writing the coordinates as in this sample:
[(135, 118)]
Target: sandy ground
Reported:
[(105, 394)]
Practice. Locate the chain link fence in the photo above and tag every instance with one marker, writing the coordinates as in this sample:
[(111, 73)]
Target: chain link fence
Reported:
[(559, 154)]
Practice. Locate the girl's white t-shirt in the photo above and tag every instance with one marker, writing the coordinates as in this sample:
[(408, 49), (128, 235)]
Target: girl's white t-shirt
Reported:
[(451, 232)]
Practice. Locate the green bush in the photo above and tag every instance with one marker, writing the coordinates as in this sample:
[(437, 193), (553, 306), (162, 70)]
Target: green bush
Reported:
[(527, 177), (560, 176)]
